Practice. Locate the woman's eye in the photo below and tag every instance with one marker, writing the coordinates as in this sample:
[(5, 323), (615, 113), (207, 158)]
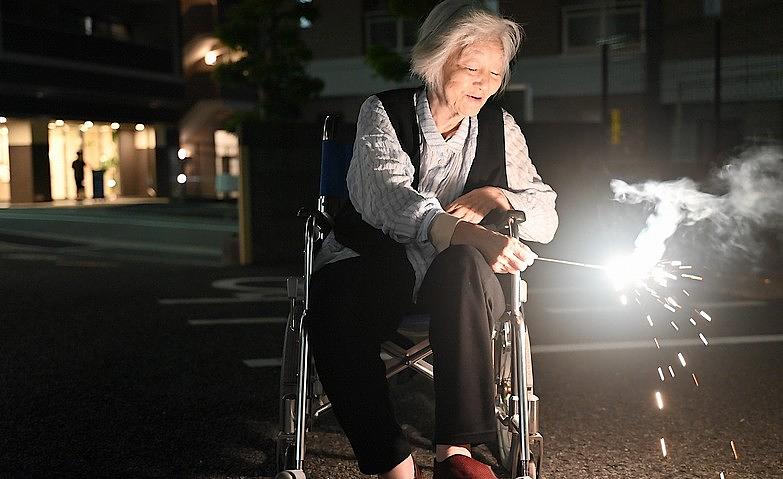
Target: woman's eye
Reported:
[(495, 74), (472, 69)]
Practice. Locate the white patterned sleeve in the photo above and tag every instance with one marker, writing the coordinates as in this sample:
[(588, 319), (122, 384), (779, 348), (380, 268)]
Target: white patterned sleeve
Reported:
[(380, 179), (526, 190)]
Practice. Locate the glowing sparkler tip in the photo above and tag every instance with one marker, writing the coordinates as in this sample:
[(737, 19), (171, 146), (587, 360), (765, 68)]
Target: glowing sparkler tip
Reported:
[(659, 400), (663, 447), (681, 358)]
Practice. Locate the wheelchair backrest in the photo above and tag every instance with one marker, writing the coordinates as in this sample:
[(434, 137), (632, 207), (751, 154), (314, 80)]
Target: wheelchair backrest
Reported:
[(336, 152)]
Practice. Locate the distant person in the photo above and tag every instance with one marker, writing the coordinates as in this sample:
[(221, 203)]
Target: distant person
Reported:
[(78, 174)]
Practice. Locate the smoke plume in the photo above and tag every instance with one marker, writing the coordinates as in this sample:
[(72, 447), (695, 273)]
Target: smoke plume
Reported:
[(746, 196)]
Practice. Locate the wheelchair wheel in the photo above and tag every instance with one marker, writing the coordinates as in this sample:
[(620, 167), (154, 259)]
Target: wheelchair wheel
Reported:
[(289, 374), (503, 359)]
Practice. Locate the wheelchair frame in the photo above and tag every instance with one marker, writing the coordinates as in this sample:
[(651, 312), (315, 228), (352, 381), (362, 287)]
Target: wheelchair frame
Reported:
[(302, 399)]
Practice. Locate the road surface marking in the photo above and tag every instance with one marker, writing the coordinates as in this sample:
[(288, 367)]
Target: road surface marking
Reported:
[(108, 220), (670, 343), (236, 284), (618, 308), (249, 299), (263, 362), (233, 321)]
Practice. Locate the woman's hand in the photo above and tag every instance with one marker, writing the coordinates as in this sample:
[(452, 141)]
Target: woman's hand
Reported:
[(504, 254), (476, 204)]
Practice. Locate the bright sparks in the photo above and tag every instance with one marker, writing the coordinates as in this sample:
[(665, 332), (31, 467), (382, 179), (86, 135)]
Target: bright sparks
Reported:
[(659, 401), (674, 325), (660, 374), (624, 300), (669, 307), (681, 358), (657, 344), (693, 321), (695, 380), (663, 447), (734, 451), (705, 315), (671, 371), (691, 276), (649, 320), (703, 339)]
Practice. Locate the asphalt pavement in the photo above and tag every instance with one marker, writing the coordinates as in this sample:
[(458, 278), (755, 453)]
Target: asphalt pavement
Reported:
[(123, 355)]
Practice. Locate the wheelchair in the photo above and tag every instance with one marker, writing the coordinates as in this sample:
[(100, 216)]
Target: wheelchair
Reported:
[(519, 447)]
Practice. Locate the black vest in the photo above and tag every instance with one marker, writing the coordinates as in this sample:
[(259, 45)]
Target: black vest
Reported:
[(488, 169)]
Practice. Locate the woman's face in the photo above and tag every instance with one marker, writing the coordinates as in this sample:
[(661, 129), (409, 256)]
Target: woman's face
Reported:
[(472, 75)]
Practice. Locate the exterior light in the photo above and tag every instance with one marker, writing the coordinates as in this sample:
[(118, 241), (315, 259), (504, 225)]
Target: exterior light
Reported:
[(112, 183), (182, 153), (139, 127), (3, 119), (59, 123), (181, 178), (211, 57), (115, 126), (88, 124)]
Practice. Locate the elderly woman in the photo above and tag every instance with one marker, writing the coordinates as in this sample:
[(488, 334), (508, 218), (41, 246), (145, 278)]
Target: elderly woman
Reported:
[(428, 165)]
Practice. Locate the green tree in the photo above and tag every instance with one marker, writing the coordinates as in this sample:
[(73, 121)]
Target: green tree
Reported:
[(272, 55)]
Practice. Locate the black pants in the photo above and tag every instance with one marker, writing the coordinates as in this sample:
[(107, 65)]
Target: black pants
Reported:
[(356, 304)]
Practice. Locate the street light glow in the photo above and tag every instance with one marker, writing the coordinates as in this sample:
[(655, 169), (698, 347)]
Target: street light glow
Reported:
[(181, 178)]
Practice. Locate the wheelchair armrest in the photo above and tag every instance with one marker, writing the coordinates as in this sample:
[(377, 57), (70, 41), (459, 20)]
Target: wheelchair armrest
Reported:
[(322, 220), (499, 220)]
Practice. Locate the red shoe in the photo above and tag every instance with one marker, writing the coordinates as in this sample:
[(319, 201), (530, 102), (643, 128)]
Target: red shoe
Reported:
[(462, 467)]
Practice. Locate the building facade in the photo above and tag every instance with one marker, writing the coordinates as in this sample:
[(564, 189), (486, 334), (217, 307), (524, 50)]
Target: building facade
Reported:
[(104, 78), (652, 87)]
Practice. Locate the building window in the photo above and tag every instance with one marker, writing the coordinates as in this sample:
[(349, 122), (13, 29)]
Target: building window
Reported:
[(585, 25), (382, 28)]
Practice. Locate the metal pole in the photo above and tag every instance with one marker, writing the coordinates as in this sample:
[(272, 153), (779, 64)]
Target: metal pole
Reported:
[(717, 92), (605, 84)]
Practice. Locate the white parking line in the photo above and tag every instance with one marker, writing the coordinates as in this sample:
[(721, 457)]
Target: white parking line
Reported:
[(670, 343), (618, 308), (570, 348), (234, 321), (221, 300), (263, 362)]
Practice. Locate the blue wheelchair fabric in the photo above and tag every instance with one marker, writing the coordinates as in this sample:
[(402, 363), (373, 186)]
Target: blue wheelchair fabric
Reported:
[(335, 159)]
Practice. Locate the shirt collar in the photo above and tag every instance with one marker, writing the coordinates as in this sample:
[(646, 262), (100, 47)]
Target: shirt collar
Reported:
[(430, 131)]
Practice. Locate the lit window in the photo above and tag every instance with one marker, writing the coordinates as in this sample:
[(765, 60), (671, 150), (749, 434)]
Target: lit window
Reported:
[(584, 26), (388, 30)]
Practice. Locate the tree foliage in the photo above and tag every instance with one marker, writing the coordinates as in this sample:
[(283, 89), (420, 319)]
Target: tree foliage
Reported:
[(266, 33)]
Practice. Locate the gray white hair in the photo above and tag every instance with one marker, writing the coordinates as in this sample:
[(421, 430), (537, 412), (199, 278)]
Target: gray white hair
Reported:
[(451, 26)]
